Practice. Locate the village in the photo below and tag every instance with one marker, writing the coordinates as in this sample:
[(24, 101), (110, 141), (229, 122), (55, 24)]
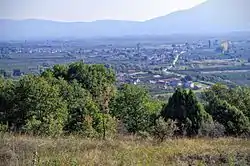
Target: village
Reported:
[(160, 66)]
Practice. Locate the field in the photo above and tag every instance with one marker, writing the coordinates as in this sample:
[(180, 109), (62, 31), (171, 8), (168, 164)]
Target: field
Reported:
[(27, 150)]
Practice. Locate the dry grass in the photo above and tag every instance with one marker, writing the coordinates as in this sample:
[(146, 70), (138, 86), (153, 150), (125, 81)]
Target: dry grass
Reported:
[(27, 150)]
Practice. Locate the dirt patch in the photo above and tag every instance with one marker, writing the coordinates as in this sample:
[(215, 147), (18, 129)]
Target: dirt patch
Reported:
[(222, 159)]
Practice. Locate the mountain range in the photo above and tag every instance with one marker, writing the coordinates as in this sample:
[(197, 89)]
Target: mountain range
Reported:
[(212, 16)]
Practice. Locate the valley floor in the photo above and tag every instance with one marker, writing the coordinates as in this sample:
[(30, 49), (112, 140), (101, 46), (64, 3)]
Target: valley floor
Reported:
[(27, 150)]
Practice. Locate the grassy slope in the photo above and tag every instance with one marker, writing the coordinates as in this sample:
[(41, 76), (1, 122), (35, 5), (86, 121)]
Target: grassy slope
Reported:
[(22, 150)]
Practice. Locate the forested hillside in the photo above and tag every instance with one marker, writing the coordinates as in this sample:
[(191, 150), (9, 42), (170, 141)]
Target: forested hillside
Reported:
[(82, 99)]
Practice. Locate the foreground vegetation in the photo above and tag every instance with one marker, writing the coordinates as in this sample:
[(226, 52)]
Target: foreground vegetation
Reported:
[(60, 116), (82, 99), (72, 151)]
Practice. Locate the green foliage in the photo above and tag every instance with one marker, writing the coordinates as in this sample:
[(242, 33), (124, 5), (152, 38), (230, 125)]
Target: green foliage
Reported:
[(229, 107), (95, 78), (107, 123), (80, 106), (238, 97), (6, 99), (234, 121), (39, 107), (184, 107), (216, 90), (134, 108), (82, 99)]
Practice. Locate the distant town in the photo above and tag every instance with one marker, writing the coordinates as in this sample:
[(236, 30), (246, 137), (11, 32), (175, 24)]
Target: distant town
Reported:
[(158, 64)]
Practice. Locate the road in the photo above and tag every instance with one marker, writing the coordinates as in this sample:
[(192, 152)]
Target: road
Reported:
[(173, 63)]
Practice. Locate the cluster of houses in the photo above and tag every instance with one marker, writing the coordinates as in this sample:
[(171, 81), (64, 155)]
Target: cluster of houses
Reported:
[(175, 82), (157, 80)]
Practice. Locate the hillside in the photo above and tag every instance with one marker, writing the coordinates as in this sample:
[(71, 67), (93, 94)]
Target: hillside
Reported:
[(213, 16), (127, 151)]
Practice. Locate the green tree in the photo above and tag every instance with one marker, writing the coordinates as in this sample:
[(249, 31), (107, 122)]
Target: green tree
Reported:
[(238, 97), (82, 110), (234, 121), (7, 94), (133, 107), (39, 108), (184, 108), (97, 79)]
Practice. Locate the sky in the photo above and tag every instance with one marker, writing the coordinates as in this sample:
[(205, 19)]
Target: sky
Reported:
[(90, 10)]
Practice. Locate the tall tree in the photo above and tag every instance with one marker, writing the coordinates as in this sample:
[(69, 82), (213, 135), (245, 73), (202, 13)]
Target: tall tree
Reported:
[(97, 79), (184, 108)]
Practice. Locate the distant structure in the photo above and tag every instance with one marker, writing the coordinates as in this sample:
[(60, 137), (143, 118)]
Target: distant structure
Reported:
[(225, 47), (209, 43), (17, 72)]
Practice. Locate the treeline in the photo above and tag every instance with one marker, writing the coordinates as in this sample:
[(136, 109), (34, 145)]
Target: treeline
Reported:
[(83, 99)]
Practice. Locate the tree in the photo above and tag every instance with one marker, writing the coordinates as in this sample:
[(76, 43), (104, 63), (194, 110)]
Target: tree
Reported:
[(234, 121), (219, 90), (238, 97), (134, 108), (39, 108), (97, 79), (6, 100), (82, 110), (184, 108)]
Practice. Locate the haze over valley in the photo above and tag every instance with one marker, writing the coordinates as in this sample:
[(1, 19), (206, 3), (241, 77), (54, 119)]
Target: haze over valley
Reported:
[(212, 16)]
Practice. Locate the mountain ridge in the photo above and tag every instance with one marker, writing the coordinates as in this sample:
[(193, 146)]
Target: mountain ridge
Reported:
[(212, 16)]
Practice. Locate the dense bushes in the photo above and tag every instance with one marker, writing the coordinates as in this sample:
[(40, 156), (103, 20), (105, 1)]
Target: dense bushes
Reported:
[(82, 99), (229, 107)]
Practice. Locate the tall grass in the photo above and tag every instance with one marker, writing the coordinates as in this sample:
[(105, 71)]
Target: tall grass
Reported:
[(27, 150)]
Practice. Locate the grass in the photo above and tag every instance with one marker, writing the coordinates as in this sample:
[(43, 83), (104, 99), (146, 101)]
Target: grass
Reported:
[(28, 150)]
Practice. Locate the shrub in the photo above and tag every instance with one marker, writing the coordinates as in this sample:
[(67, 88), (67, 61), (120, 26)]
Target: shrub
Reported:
[(164, 129), (212, 129)]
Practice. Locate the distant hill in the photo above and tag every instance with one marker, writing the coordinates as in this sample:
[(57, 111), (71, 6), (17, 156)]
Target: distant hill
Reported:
[(212, 16)]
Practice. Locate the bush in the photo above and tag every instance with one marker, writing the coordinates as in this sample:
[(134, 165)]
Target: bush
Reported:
[(164, 129), (212, 129)]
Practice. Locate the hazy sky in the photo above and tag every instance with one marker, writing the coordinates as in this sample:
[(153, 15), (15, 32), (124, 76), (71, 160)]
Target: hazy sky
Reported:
[(89, 10)]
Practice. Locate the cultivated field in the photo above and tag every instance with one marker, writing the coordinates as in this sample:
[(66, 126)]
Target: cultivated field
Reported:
[(27, 150)]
